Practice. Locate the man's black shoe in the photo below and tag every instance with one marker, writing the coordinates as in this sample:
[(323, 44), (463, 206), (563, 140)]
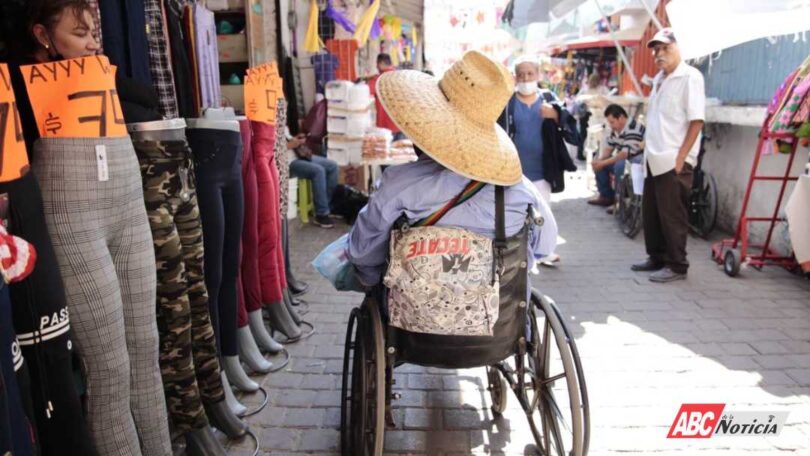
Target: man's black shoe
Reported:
[(647, 266), (323, 221)]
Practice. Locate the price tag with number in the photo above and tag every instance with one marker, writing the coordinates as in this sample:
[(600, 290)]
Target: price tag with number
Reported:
[(75, 98), (13, 157), (260, 97)]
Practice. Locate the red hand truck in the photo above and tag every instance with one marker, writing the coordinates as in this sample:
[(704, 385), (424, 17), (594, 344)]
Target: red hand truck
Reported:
[(733, 253)]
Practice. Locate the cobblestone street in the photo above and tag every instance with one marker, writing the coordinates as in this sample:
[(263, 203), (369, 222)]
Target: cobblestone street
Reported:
[(646, 349)]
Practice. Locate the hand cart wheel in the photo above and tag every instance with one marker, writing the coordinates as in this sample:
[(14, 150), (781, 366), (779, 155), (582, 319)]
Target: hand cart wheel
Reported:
[(498, 390), (732, 260)]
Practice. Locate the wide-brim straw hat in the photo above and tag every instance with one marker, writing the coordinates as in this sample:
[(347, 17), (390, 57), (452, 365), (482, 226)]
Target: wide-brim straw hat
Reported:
[(454, 120)]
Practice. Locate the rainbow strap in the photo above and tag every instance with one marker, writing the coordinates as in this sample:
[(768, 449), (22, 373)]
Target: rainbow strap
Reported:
[(469, 191)]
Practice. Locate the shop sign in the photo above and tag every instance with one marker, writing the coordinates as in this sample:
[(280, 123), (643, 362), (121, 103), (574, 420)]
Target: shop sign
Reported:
[(13, 157), (75, 98)]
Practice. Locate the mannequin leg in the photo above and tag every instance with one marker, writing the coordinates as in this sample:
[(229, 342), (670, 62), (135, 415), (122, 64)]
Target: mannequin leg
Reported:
[(77, 218), (203, 340), (133, 255)]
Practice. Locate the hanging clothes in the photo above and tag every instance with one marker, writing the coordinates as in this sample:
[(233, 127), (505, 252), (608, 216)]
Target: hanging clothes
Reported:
[(207, 57), (188, 351), (160, 64), (16, 430), (193, 58), (97, 24), (325, 66), (346, 53), (181, 66), (123, 24), (282, 159)]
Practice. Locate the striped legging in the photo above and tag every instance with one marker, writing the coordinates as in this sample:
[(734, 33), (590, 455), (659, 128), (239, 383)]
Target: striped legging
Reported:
[(104, 249)]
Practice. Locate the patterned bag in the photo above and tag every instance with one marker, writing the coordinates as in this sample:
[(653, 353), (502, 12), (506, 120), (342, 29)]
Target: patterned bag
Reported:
[(443, 280)]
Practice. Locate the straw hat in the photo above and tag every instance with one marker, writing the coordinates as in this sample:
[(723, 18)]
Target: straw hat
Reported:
[(453, 120)]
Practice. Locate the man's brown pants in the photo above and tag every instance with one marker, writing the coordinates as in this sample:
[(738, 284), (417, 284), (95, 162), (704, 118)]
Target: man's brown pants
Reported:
[(666, 217)]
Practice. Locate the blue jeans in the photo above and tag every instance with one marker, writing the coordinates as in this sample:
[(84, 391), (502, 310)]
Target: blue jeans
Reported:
[(603, 179), (324, 176)]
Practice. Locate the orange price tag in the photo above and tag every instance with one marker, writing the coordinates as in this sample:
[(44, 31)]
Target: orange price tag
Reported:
[(75, 98), (13, 157), (260, 97)]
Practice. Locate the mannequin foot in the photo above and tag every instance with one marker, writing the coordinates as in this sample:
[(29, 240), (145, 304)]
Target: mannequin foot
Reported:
[(236, 408), (249, 352), (222, 417), (203, 442), (263, 338), (237, 376)]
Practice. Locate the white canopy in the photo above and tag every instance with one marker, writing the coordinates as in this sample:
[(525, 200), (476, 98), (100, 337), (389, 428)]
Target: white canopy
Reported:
[(703, 27)]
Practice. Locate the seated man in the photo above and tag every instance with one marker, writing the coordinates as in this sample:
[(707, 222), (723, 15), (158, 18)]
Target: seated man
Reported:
[(321, 171), (624, 143), (452, 122)]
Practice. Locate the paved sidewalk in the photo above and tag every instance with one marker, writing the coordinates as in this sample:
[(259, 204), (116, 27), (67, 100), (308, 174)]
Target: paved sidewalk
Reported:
[(646, 349)]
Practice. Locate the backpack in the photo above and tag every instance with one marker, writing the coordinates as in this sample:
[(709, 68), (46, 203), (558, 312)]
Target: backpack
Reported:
[(347, 202)]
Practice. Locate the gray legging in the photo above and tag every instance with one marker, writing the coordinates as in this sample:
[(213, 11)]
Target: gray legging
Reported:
[(104, 249)]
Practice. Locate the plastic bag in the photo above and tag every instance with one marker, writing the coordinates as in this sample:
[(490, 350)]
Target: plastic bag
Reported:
[(333, 264)]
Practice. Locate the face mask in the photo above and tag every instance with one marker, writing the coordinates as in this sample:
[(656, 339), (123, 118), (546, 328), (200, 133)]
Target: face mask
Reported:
[(526, 88)]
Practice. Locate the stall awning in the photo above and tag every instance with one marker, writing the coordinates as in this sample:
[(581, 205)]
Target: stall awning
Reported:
[(626, 37)]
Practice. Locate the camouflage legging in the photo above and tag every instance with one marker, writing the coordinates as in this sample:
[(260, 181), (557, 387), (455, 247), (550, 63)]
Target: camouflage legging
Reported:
[(188, 351)]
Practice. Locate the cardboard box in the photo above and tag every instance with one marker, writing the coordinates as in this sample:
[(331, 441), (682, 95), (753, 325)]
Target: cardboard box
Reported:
[(355, 176), (233, 95), (232, 48)]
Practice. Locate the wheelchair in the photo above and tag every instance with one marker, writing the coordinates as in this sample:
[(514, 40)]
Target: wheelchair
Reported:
[(531, 352)]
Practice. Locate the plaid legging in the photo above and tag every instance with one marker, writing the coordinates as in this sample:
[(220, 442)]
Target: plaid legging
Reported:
[(104, 250)]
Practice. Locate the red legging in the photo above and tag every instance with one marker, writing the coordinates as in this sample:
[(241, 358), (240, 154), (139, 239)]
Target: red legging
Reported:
[(272, 275), (249, 288)]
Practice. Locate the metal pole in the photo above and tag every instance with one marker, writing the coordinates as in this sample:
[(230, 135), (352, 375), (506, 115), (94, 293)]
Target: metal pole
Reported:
[(619, 49), (654, 18)]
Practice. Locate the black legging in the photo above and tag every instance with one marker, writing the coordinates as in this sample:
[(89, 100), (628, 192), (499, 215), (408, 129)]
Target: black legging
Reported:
[(38, 303), (218, 169)]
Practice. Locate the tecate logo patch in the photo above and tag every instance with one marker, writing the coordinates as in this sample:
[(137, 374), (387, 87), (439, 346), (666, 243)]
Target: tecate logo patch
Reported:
[(703, 421)]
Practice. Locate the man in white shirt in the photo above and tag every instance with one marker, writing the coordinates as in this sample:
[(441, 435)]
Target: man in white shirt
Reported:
[(675, 118)]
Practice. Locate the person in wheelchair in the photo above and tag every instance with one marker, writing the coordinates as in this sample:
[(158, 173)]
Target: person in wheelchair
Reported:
[(626, 142), (463, 156)]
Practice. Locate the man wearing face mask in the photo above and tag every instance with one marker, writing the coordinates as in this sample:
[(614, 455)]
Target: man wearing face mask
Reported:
[(523, 119)]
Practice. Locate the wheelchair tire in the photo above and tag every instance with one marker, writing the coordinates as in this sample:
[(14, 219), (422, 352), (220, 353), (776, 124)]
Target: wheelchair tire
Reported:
[(703, 204), (362, 414), (628, 213), (498, 391), (560, 432)]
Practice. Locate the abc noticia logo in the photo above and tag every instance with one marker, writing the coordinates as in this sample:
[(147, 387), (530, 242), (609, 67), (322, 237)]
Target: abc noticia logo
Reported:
[(703, 421)]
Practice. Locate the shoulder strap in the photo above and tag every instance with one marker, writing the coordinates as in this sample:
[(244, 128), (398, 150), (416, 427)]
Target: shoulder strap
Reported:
[(500, 218), (468, 192)]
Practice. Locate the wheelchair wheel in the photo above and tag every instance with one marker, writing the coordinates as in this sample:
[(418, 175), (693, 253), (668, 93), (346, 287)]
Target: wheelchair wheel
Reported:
[(498, 390), (703, 204), (362, 407), (629, 211), (556, 399)]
